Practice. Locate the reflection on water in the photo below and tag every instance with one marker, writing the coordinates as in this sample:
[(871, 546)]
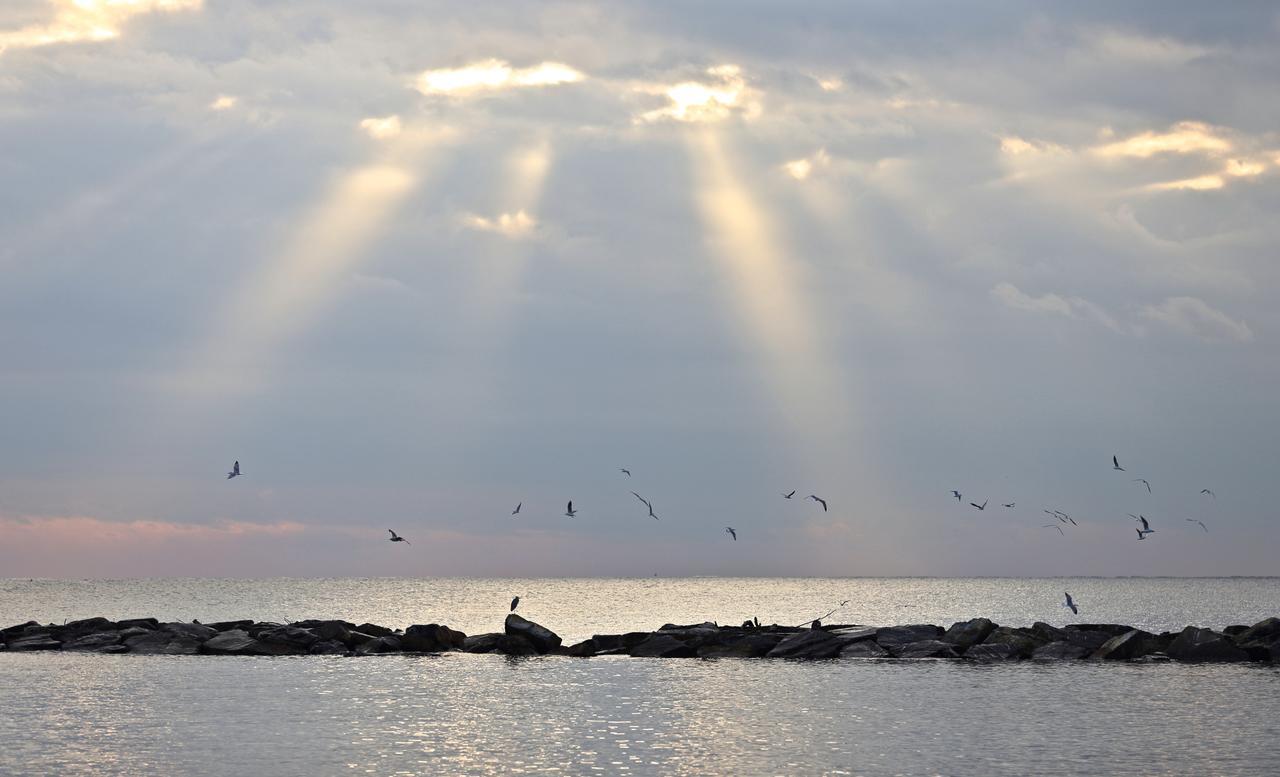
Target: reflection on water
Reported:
[(460, 714)]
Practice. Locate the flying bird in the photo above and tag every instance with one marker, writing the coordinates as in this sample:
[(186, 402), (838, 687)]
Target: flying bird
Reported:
[(514, 602), (820, 501), (626, 472), (1202, 526), (1011, 504), (982, 506), (1115, 464), (729, 530), (1144, 482), (1210, 493), (647, 504), (1141, 536), (956, 494), (1073, 521), (397, 538), (235, 471), (517, 510), (1070, 605), (569, 511), (1054, 526), (1146, 527), (788, 496)]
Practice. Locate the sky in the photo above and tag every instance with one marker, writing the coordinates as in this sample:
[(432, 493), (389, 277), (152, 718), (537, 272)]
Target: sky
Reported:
[(413, 264)]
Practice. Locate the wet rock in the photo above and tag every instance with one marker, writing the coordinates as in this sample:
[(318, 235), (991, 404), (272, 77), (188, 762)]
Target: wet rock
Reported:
[(69, 632), (133, 631), (150, 624), (283, 641), (233, 642), (16, 630), (851, 634), (38, 641), (863, 649), (374, 630), (328, 647), (1264, 632), (163, 643), (254, 629), (95, 641), (1047, 633), (389, 643), (1234, 631), (483, 643), (663, 646), (229, 625), (998, 651), (746, 646), (1195, 644), (1110, 629), (927, 648), (1060, 650), (966, 634), (432, 638), (812, 643), (515, 645), (896, 636), (543, 639), (1023, 641), (196, 631), (1131, 644), (313, 624), (606, 643)]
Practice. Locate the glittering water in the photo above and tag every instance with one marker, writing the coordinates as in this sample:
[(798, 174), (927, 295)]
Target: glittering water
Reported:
[(462, 714)]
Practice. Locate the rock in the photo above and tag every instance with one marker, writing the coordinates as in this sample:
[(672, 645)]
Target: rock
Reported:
[(851, 634), (807, 644), (433, 638), (113, 649), (751, 645), (95, 641), (34, 642), (254, 629), (69, 632), (1047, 633), (619, 642), (150, 624), (328, 647), (927, 648), (1233, 631), (1060, 650), (999, 651), (16, 630), (197, 631), (515, 645), (663, 646), (374, 629), (863, 649), (164, 643), (542, 638), (966, 634), (1263, 632), (704, 626), (1195, 644), (283, 641), (895, 636), (313, 624), (1131, 644), (233, 642), (483, 643), (389, 643), (1023, 641), (229, 625), (336, 631), (133, 631), (1090, 640), (1110, 629)]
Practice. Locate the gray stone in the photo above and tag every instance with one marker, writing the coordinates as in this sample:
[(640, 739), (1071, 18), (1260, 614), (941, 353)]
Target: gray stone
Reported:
[(663, 646), (163, 643), (483, 643), (95, 641), (927, 648), (895, 636), (1023, 641), (1048, 633), (515, 645), (233, 642), (196, 631), (151, 624), (69, 632), (998, 651), (966, 634), (1060, 650), (337, 631), (1195, 644), (36, 641), (328, 647), (1110, 629), (851, 634), (750, 645), (229, 625), (432, 638), (542, 638), (389, 643), (1262, 633), (863, 649), (16, 630), (812, 643), (284, 641), (1131, 644), (374, 630), (133, 631)]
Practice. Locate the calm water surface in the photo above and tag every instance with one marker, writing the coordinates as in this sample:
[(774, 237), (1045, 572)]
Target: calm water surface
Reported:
[(461, 714)]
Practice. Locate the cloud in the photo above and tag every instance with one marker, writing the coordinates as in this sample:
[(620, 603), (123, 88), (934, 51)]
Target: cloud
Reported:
[(381, 128), (1192, 316), (1186, 137), (492, 75), (724, 94), (1071, 307), (223, 102), (88, 20), (802, 168), (513, 225)]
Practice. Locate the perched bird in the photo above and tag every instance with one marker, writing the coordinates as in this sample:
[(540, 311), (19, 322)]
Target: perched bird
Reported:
[(820, 501), (1054, 526), (956, 494), (1210, 493), (1115, 464), (788, 496), (569, 511), (397, 538), (1011, 504), (729, 530), (1070, 605), (1144, 482), (1202, 526), (626, 472), (982, 506), (514, 602), (235, 471), (517, 510)]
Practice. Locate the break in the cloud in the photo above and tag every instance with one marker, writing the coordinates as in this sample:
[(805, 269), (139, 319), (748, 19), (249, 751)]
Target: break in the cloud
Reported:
[(381, 128), (74, 21), (492, 75), (722, 94), (517, 224)]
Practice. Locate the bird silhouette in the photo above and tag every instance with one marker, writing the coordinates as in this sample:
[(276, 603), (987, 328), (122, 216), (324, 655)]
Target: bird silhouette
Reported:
[(517, 510), (397, 538), (729, 530), (788, 496), (956, 494), (235, 471), (819, 500), (569, 511), (1144, 482), (1202, 526), (1070, 604), (514, 602), (1054, 526), (1011, 504), (626, 472), (1210, 493), (1115, 464), (982, 506)]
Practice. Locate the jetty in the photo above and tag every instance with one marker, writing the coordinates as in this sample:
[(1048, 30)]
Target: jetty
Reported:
[(974, 640)]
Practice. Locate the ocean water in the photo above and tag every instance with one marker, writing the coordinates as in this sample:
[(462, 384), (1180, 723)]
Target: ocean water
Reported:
[(463, 714)]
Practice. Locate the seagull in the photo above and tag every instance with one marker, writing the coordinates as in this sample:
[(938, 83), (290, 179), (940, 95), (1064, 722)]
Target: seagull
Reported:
[(1070, 605), (517, 510), (514, 602), (1115, 464), (1011, 504), (569, 511), (235, 471), (982, 506), (397, 538), (647, 504), (1146, 527), (626, 472), (1141, 536), (1054, 526), (820, 501), (1144, 482), (729, 530), (1202, 526), (956, 494), (788, 496), (1210, 493)]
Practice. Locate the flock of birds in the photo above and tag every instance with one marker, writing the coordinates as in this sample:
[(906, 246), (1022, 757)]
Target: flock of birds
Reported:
[(1065, 519)]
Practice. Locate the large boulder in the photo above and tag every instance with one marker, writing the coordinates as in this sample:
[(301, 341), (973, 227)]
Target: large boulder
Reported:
[(896, 636), (432, 638), (1022, 641), (1260, 639), (663, 646), (811, 643), (374, 630), (515, 645), (95, 641), (36, 641), (229, 625), (748, 645), (1060, 650), (389, 643), (284, 641), (150, 624), (232, 642), (1196, 644), (998, 651), (1134, 643), (927, 648), (541, 637), (328, 647), (69, 632), (863, 649), (619, 643), (481, 643), (966, 634), (11, 632), (163, 643), (196, 631)]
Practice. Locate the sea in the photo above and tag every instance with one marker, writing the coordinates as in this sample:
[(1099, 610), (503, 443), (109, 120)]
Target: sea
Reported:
[(87, 714)]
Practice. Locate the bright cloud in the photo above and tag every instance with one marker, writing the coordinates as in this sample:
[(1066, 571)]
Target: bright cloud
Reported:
[(1198, 184), (88, 20), (492, 75), (1185, 137), (516, 224), (381, 128), (1192, 316), (224, 102), (800, 169), (716, 99)]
